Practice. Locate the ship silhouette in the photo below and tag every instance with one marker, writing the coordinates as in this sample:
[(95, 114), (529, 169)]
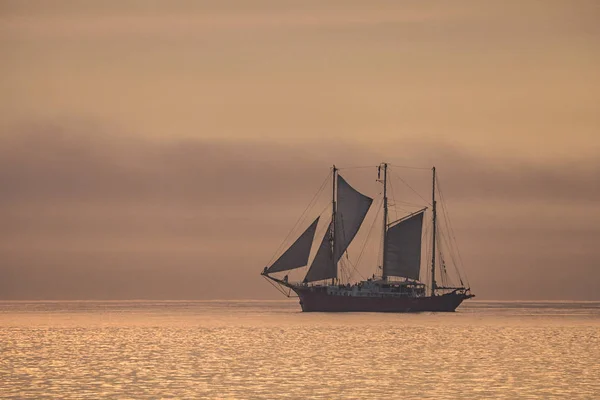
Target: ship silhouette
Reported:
[(396, 287)]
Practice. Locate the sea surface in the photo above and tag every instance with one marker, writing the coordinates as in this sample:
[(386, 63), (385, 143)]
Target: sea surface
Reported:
[(270, 350)]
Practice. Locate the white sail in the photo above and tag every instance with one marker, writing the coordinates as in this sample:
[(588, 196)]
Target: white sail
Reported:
[(322, 266), (352, 207), (297, 254), (403, 248)]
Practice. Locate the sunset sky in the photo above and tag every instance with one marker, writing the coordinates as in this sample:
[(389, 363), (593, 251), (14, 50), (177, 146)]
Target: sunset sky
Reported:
[(155, 149)]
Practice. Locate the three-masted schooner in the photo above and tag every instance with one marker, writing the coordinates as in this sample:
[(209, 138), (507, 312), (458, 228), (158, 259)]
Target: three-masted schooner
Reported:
[(321, 290)]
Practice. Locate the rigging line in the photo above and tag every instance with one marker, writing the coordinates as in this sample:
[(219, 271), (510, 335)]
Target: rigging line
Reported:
[(445, 240), (414, 191), (448, 240), (278, 287), (380, 255), (407, 203), (409, 167), (393, 200), (321, 232), (445, 248), (451, 231), (327, 207), (404, 210), (342, 271), (345, 269), (445, 233), (427, 251), (441, 267), (355, 266), (445, 279), (308, 207), (358, 167), (444, 272), (354, 269)]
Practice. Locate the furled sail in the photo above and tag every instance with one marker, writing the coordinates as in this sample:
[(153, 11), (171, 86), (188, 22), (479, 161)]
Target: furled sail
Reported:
[(403, 248), (297, 254), (352, 208), (322, 266)]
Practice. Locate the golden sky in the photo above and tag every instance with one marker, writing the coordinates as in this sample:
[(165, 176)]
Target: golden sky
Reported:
[(146, 139)]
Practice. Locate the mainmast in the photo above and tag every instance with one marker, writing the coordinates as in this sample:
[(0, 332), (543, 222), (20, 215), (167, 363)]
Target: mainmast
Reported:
[(433, 284), (333, 210), (385, 218)]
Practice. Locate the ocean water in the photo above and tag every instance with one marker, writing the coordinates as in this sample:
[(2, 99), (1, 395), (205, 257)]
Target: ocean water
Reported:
[(269, 349)]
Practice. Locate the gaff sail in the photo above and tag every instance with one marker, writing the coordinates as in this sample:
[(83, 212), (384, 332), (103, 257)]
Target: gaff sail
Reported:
[(403, 248)]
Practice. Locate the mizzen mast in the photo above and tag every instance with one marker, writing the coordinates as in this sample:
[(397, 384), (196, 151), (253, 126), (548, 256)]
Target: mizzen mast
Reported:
[(333, 212), (433, 284)]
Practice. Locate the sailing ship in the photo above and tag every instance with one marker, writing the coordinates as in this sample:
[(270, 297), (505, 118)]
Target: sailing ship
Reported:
[(396, 287)]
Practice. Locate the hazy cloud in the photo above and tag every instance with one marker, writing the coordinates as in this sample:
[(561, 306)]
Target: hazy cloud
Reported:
[(47, 164), (145, 218)]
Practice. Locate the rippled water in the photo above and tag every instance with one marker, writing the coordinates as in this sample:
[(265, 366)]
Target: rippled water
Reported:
[(150, 350)]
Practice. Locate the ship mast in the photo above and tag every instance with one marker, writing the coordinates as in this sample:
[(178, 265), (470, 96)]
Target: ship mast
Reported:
[(333, 210), (385, 219), (433, 284)]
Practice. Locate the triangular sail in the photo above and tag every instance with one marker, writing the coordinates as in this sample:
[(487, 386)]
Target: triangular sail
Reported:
[(352, 208), (322, 266), (297, 254), (403, 248)]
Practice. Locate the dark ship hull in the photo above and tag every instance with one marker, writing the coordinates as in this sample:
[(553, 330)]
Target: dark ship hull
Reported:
[(312, 301)]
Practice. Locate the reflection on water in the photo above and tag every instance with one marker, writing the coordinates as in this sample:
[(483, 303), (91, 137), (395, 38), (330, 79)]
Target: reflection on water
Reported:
[(149, 350)]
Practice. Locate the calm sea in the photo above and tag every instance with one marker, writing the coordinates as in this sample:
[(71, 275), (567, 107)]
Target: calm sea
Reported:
[(268, 349)]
